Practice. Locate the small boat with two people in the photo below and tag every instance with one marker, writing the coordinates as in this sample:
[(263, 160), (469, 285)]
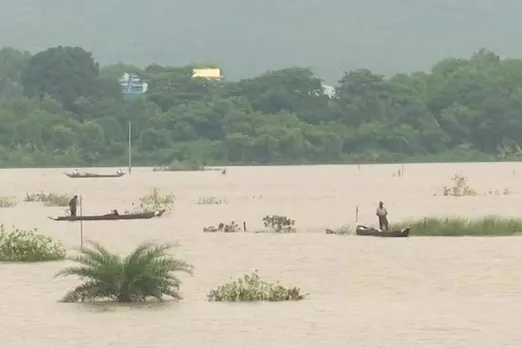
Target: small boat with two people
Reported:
[(77, 175)]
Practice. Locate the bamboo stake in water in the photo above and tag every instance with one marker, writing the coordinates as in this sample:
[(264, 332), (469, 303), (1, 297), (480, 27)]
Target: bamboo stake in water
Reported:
[(130, 148), (81, 223), (356, 215)]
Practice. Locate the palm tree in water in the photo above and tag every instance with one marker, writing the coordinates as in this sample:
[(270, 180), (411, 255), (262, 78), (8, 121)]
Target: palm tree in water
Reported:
[(147, 272)]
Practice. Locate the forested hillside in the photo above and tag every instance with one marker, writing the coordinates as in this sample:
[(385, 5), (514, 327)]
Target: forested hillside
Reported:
[(59, 107)]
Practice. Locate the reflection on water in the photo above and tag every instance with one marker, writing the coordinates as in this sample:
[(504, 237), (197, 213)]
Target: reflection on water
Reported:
[(365, 292)]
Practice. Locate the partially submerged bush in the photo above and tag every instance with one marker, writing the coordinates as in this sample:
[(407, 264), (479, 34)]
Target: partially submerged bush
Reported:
[(280, 224), (211, 200), (486, 226), (28, 246), (7, 202), (253, 288), (343, 230), (154, 201), (147, 272), (180, 167), (231, 227), (459, 188), (51, 199)]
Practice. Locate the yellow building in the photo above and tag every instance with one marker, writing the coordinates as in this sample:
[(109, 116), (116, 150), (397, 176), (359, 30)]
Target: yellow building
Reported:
[(208, 73)]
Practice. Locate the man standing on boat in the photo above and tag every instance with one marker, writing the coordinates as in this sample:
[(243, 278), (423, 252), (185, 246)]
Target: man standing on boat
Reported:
[(382, 214), (73, 203)]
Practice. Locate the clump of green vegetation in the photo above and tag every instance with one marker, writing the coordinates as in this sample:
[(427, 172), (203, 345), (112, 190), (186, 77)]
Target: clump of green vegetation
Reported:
[(147, 272), (180, 167), (343, 230), (280, 224), (8, 202), (28, 246), (459, 188), (210, 200), (51, 199), (154, 201), (253, 288), (231, 227), (486, 226)]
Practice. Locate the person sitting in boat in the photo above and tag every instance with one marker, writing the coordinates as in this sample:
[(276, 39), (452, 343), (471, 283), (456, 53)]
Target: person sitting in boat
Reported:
[(73, 203), (119, 172), (382, 214), (76, 172), (115, 212)]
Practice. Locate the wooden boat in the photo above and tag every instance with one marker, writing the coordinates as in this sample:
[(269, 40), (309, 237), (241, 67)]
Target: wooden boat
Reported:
[(108, 217), (92, 175), (370, 231)]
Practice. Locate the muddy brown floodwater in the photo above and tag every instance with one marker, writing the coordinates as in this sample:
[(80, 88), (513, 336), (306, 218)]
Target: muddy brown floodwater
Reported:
[(365, 292)]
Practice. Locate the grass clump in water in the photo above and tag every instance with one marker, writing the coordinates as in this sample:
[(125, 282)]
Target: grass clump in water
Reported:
[(180, 167), (486, 226), (459, 188), (279, 224), (154, 201), (7, 202), (147, 272), (210, 200), (253, 288), (28, 246), (51, 199)]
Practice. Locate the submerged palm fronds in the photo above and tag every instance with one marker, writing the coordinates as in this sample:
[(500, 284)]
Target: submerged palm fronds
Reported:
[(145, 273), (253, 288)]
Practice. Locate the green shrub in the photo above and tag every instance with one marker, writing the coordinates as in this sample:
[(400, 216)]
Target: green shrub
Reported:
[(7, 202), (154, 201), (28, 246), (487, 226), (279, 224), (51, 199), (253, 288)]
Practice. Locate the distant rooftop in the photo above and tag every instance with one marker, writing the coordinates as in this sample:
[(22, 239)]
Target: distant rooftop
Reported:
[(207, 73)]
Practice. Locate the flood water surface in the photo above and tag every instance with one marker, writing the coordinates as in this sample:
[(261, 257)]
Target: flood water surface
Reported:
[(365, 292)]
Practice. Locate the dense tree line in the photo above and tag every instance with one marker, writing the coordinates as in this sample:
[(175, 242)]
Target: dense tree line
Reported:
[(59, 107)]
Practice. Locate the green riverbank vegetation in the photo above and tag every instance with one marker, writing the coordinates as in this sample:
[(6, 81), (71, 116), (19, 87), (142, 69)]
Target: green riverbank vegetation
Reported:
[(148, 272), (486, 226), (59, 107), (19, 245), (251, 287)]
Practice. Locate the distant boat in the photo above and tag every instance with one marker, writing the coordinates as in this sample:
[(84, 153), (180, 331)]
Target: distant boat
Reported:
[(111, 216), (93, 175)]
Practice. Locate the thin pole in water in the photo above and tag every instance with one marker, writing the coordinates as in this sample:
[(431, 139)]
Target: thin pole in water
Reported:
[(356, 215), (130, 147), (81, 223)]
